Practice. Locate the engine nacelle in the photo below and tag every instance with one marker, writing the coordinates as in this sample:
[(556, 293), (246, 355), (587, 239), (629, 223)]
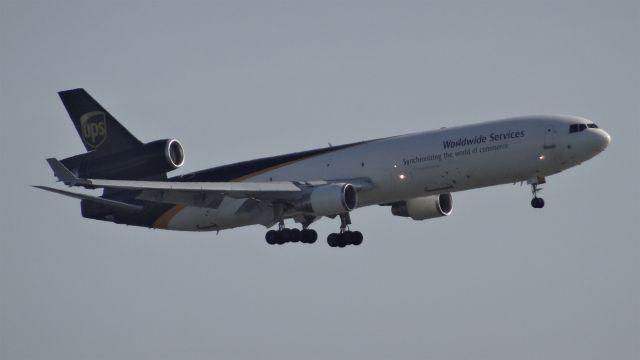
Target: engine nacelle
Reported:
[(173, 153), (423, 208), (148, 160), (328, 200)]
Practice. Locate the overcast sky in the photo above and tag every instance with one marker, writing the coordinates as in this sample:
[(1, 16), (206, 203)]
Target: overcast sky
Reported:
[(238, 80)]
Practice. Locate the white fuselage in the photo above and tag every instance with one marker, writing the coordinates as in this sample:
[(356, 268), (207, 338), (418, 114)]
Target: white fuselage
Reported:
[(425, 163)]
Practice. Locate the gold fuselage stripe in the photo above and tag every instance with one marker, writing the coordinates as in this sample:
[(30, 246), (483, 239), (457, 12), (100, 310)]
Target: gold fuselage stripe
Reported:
[(163, 220)]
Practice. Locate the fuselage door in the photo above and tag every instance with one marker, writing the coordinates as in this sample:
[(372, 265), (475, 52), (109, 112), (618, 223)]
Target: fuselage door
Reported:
[(549, 137)]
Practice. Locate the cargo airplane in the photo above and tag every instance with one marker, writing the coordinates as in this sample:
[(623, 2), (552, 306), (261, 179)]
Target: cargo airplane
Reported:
[(413, 175)]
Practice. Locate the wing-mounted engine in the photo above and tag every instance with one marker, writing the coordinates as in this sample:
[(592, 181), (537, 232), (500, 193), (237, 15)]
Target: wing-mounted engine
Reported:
[(329, 200), (423, 208), (146, 161)]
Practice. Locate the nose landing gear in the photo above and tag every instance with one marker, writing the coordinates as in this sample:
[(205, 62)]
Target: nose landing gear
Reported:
[(536, 202)]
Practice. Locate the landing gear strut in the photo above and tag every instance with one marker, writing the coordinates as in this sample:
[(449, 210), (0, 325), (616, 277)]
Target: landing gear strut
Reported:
[(536, 202), (345, 236), (284, 235)]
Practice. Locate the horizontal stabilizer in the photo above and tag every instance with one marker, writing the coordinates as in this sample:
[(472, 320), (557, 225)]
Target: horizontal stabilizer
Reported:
[(62, 173), (102, 201)]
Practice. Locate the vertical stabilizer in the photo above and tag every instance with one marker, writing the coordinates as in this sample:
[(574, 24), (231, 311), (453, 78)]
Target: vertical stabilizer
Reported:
[(98, 130)]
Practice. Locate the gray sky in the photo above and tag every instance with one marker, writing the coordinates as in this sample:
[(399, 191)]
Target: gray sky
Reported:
[(238, 80)]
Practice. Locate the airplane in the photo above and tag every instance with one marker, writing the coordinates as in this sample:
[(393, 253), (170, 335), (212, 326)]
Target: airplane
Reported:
[(414, 175)]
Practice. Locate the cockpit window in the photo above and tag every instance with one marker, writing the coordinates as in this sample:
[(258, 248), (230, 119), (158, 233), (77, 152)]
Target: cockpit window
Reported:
[(592, 126), (577, 128)]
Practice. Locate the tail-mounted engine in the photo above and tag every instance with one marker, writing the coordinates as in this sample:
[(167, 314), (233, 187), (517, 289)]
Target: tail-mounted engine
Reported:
[(423, 208), (147, 161)]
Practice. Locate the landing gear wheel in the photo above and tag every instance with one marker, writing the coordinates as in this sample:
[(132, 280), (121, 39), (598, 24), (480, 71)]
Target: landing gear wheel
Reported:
[(346, 238), (272, 237), (296, 235), (286, 235), (308, 236), (537, 203), (333, 240), (356, 238)]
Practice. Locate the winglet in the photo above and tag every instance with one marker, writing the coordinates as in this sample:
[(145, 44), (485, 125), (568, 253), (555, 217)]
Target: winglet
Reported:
[(62, 173)]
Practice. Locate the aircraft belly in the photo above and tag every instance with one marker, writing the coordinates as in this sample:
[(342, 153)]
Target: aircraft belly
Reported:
[(189, 218), (231, 214)]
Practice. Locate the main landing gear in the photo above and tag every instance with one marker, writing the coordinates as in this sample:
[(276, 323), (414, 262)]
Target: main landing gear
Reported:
[(284, 235), (279, 237), (307, 236), (536, 202), (345, 237)]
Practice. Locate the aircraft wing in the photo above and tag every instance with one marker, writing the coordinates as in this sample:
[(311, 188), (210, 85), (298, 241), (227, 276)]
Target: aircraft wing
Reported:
[(204, 194)]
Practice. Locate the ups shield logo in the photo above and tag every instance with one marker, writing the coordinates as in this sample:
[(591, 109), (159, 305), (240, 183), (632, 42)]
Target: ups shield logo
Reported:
[(94, 128)]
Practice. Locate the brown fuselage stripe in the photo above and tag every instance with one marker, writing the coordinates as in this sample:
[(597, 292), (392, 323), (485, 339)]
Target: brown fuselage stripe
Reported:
[(271, 168)]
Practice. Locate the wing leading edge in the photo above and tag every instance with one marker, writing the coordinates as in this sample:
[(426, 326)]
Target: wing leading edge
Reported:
[(182, 192)]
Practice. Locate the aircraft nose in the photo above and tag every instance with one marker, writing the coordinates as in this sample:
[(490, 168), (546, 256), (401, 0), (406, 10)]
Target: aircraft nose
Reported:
[(601, 140), (605, 139)]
